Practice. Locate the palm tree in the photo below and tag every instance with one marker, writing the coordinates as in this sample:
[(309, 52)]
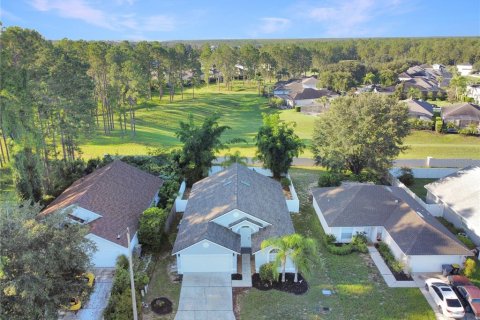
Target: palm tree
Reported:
[(304, 254), (283, 247), (299, 249), (369, 78), (236, 157)]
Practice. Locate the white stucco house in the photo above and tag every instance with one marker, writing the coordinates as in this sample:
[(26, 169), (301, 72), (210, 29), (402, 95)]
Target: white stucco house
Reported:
[(109, 200), (390, 215), (459, 194), (473, 91), (229, 214), (464, 69)]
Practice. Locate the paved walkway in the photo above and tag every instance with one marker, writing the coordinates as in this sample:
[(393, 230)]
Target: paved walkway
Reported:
[(246, 281), (93, 309), (206, 296), (386, 273)]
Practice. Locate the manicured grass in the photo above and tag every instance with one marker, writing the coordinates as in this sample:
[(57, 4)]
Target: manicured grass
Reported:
[(241, 109), (428, 143), (161, 286), (7, 189), (360, 292), (418, 186)]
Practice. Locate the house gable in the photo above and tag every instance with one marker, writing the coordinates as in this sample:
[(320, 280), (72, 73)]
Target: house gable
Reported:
[(231, 218), (205, 247)]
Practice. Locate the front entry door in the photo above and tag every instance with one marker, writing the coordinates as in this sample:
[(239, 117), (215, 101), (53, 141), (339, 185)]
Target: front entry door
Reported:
[(245, 237)]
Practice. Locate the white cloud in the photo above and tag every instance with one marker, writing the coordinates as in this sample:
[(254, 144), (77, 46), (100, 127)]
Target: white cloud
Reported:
[(75, 9), (272, 25), (84, 11), (352, 17)]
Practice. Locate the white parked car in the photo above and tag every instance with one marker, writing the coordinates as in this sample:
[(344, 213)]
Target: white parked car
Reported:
[(445, 298)]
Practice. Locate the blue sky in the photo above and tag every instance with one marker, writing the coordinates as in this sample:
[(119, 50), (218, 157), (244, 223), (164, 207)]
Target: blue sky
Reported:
[(230, 19)]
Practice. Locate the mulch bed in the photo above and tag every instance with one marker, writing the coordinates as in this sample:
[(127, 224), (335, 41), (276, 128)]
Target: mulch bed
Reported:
[(237, 276), (161, 306), (289, 285)]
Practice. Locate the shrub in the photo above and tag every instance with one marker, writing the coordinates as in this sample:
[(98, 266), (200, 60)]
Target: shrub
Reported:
[(466, 241), (329, 239), (450, 226), (470, 130), (438, 125), (419, 124), (267, 272), (151, 227), (361, 247), (167, 192), (359, 242), (366, 176), (469, 267), (452, 126), (298, 108), (396, 266), (285, 182), (340, 250), (330, 179), (276, 102), (46, 199), (406, 176)]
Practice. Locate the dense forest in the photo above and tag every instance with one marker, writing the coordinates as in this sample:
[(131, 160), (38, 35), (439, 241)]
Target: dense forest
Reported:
[(54, 93)]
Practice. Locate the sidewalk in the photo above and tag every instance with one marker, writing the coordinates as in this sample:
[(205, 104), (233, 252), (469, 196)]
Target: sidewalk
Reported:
[(246, 281), (386, 273)]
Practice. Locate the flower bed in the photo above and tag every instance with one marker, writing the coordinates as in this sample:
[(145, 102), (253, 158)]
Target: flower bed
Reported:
[(161, 306), (297, 288), (396, 267)]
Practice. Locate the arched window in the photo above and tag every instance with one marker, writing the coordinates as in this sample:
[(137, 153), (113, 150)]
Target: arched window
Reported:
[(272, 255)]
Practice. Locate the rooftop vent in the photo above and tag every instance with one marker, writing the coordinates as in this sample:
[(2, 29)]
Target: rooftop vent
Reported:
[(421, 215)]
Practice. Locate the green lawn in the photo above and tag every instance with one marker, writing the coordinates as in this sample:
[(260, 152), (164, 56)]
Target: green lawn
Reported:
[(241, 109), (7, 190), (360, 290), (428, 143), (162, 286), (418, 186)]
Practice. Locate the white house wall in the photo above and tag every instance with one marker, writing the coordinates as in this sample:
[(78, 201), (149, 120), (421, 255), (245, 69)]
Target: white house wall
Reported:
[(432, 263), (304, 102), (261, 257), (107, 251), (320, 216), (397, 252)]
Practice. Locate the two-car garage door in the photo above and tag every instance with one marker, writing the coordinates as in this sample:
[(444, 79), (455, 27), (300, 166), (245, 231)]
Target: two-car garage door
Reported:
[(206, 262)]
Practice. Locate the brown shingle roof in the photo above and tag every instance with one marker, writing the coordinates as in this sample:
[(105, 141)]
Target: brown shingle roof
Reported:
[(118, 192), (362, 205), (419, 108)]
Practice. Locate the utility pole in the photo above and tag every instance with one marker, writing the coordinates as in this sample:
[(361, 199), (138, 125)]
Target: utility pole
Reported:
[(132, 284)]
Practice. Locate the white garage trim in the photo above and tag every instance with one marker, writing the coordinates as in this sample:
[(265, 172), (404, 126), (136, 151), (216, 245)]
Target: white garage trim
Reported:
[(206, 263), (201, 242)]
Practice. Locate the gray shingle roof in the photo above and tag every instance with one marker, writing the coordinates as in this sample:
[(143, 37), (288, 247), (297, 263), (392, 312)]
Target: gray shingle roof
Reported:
[(461, 192), (234, 188), (414, 230), (462, 111), (419, 108)]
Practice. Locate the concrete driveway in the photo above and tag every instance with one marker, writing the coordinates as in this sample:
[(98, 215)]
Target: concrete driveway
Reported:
[(206, 296)]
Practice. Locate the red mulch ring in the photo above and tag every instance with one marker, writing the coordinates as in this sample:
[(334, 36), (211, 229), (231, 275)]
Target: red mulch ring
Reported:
[(289, 285), (161, 306)]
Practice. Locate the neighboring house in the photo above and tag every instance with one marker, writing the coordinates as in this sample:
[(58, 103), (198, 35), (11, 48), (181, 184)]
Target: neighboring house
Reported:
[(109, 200), (462, 114), (376, 89), (390, 215), (419, 109), (459, 194), (436, 74), (302, 92), (424, 85), (229, 213), (473, 91), (464, 69)]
